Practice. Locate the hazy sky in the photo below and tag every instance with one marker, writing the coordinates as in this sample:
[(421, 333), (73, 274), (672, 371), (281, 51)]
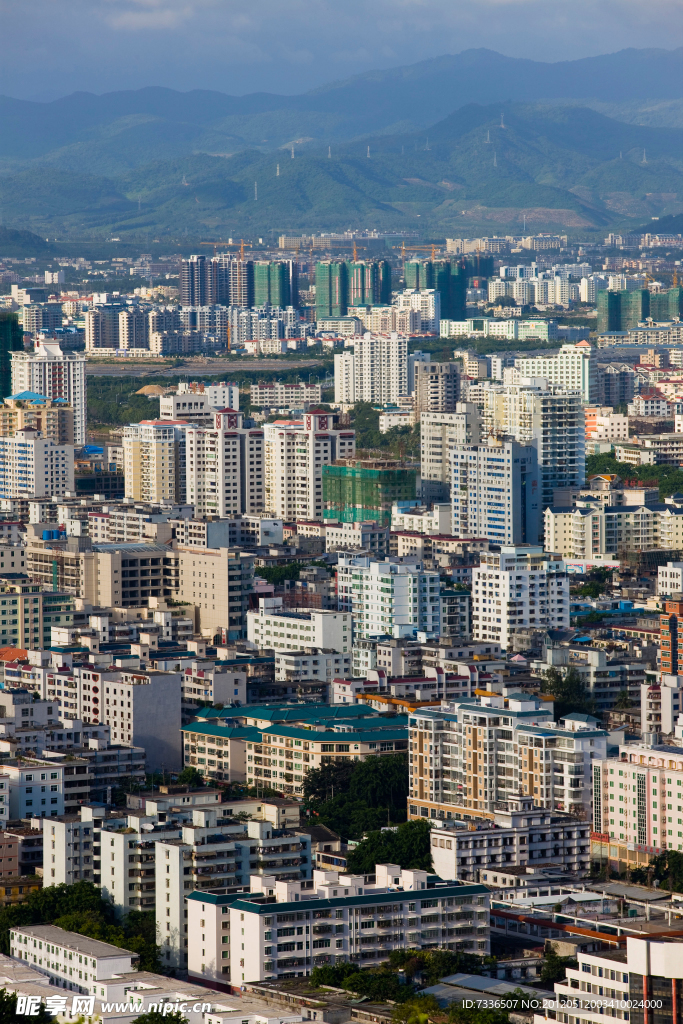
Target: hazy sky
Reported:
[(54, 47)]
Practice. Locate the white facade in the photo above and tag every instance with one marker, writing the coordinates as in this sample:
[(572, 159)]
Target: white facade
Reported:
[(390, 597), (518, 587), (285, 396), (420, 519), (427, 302), (56, 374), (295, 452), (376, 372), (35, 788), (359, 536), (143, 710), (69, 960), (33, 466), (439, 433), (224, 467), (219, 396), (271, 626), (573, 368)]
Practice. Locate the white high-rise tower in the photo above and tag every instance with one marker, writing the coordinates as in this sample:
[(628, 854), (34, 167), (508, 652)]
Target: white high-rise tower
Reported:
[(56, 374)]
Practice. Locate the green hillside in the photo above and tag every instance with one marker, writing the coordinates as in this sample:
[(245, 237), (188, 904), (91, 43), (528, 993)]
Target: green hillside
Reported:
[(563, 167)]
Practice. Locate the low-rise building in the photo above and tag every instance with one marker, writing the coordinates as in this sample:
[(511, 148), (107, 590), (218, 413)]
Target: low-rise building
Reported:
[(273, 627), (68, 959), (605, 678), (368, 536)]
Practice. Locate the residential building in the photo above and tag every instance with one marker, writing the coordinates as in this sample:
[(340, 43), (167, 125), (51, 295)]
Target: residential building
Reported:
[(520, 833), (219, 395), (68, 959), (439, 433), (285, 396), (273, 627), (42, 318), (606, 678), (276, 282), (426, 301), (102, 328), (670, 633), (154, 460), (311, 670), (368, 536), (574, 368), (11, 342), (448, 278), (35, 787), (331, 289), (218, 582), (360, 490), (603, 423), (142, 708), (356, 917), (54, 418), (376, 371), (495, 491), (29, 613), (213, 682), (224, 472), (421, 518), (437, 387), (295, 453), (622, 309), (670, 579), (198, 280), (384, 320), (607, 489), (388, 596), (501, 329), (520, 586), (133, 330), (651, 404), (469, 755), (32, 465), (591, 529), (549, 418), (250, 530), (234, 280), (235, 854)]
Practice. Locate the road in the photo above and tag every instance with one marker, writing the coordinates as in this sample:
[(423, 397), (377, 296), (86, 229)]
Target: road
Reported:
[(192, 368)]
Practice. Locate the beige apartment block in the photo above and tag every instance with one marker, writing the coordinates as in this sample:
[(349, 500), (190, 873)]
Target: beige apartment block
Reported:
[(217, 581)]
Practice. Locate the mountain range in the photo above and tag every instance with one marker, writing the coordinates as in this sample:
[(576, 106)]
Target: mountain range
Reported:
[(583, 144)]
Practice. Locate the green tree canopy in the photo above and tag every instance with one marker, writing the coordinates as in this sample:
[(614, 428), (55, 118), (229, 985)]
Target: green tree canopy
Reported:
[(569, 691), (555, 966), (354, 797), (191, 776), (407, 845)]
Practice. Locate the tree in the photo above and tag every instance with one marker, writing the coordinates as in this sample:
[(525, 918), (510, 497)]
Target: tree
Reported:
[(555, 966), (623, 701), (569, 691), (590, 590), (407, 845), (8, 1010), (192, 777), (416, 1010)]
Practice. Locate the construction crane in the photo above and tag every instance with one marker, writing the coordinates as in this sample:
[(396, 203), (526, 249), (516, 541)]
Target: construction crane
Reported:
[(241, 245), (355, 250), (214, 244), (412, 248)]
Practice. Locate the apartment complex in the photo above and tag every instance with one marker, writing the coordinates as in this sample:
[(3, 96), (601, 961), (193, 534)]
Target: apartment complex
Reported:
[(273, 627), (57, 375), (375, 371), (388, 596), (574, 368), (224, 467), (437, 387), (154, 459), (34, 466), (54, 418), (518, 587), (294, 455), (439, 433), (218, 582), (285, 396)]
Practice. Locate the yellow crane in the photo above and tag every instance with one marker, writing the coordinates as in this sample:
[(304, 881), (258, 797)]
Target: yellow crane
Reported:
[(416, 248), (355, 250), (241, 245)]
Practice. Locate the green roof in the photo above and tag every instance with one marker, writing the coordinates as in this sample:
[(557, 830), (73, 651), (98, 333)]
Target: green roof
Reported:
[(298, 712), (239, 732), (394, 895), (333, 737)]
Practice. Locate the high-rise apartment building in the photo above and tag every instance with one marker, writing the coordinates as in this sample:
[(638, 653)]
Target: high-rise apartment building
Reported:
[(331, 288), (224, 466), (671, 632), (198, 281), (285, 396), (573, 368), (437, 386), (376, 371), (218, 582), (624, 309), (102, 327), (473, 754), (57, 375), (369, 282), (34, 466), (53, 418), (495, 491), (392, 597), (439, 433), (426, 301), (520, 586), (154, 460), (11, 340), (234, 279), (364, 490), (133, 329), (550, 418), (447, 277), (42, 318), (295, 452), (276, 283)]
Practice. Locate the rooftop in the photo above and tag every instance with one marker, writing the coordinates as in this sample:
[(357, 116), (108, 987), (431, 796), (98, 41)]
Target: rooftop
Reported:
[(72, 940)]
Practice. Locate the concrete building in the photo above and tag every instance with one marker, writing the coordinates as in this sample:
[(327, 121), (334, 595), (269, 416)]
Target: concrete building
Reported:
[(395, 598), (605, 678), (495, 491), (550, 418), (32, 465), (295, 452), (49, 371), (217, 581), (54, 418), (272, 626), (427, 301), (439, 433), (219, 395), (311, 669), (422, 519), (154, 453), (35, 787), (224, 463), (30, 613), (133, 330), (471, 754), (437, 387), (520, 586), (376, 371), (359, 536), (294, 933), (574, 368), (142, 708), (69, 960), (520, 833), (285, 396)]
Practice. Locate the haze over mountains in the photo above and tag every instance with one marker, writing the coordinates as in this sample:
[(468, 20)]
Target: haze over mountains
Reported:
[(159, 161)]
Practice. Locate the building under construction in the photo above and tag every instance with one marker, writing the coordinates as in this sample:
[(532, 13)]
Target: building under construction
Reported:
[(357, 490)]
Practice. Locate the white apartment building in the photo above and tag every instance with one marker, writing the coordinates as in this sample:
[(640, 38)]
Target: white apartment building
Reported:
[(35, 788), (426, 301), (154, 460), (221, 395), (34, 466), (133, 329), (670, 579), (224, 471), (272, 626), (192, 408), (142, 709), (574, 368), (69, 960), (210, 682), (368, 535), (56, 374), (376, 371), (311, 665), (388, 596), (591, 529), (520, 586), (551, 418), (341, 917), (295, 452), (471, 754), (385, 319), (604, 424), (651, 405), (439, 433), (521, 832), (285, 396), (502, 329), (495, 491), (590, 286)]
